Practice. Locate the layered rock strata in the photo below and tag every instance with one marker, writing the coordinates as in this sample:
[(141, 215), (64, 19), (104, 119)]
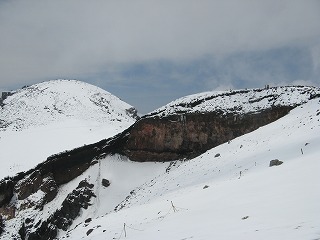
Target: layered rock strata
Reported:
[(188, 135)]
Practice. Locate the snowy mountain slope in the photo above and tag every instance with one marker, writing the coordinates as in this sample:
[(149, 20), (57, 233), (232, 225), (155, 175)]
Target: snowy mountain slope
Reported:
[(238, 101), (58, 100), (53, 116), (123, 175), (229, 192)]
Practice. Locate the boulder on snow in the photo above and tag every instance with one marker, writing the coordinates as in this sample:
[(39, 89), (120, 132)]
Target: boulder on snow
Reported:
[(275, 162), (89, 231), (105, 182)]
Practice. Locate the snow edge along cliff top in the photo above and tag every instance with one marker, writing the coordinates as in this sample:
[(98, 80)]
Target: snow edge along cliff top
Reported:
[(238, 101)]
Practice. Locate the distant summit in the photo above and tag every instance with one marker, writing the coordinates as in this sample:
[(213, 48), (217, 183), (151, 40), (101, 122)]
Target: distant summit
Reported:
[(43, 119), (58, 100)]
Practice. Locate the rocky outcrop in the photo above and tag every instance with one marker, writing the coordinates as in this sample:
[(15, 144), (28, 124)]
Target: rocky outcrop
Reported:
[(193, 124), (62, 218), (37, 187), (58, 169), (28, 185), (71, 206), (49, 187), (275, 162), (188, 135), (6, 191)]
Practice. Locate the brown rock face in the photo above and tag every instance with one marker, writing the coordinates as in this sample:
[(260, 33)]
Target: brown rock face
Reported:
[(185, 136), (29, 185)]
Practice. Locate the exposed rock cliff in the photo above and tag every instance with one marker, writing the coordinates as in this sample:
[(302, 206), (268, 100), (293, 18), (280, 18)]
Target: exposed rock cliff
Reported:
[(188, 135), (191, 125)]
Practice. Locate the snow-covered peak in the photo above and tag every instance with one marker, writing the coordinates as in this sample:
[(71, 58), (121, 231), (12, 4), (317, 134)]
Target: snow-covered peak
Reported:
[(238, 101), (58, 100), (54, 116)]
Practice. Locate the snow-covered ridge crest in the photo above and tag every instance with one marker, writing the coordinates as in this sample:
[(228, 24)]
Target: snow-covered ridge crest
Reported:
[(57, 100), (238, 101)]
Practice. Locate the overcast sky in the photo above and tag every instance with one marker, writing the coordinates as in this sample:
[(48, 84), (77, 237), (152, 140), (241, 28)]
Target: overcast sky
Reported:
[(150, 52)]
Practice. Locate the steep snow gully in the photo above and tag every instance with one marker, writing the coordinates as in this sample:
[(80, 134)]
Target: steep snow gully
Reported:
[(200, 171)]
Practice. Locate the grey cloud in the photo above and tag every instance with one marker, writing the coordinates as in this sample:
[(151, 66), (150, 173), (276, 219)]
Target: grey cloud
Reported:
[(47, 39), (155, 83)]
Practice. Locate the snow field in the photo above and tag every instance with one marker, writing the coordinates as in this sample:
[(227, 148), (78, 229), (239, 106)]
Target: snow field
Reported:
[(22, 150), (213, 200)]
